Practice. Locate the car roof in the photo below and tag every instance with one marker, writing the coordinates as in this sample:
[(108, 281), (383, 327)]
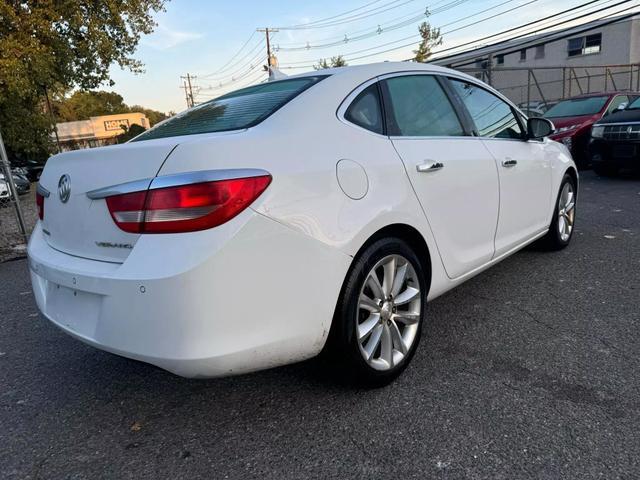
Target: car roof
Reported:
[(371, 70), (603, 94)]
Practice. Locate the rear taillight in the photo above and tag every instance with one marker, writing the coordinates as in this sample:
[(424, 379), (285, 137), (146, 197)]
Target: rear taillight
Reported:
[(40, 205), (185, 208)]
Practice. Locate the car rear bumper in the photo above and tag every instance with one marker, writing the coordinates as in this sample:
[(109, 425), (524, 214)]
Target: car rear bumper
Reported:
[(248, 295)]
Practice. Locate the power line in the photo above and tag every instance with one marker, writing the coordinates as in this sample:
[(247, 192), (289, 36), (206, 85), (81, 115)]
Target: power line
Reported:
[(529, 24), (373, 31), (335, 16), (369, 13), (218, 73), (416, 37), (238, 52), (491, 36)]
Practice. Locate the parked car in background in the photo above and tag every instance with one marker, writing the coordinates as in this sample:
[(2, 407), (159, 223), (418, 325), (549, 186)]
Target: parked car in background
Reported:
[(615, 141), (535, 109), (32, 169), (4, 193), (574, 117), (23, 185), (319, 211)]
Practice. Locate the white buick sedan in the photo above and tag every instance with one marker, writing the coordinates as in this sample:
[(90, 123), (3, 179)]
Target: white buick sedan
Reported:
[(316, 213)]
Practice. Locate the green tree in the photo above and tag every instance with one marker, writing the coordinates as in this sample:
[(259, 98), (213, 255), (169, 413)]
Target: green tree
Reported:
[(82, 105), (85, 104), (54, 46), (154, 116), (430, 38), (333, 62), (130, 132)]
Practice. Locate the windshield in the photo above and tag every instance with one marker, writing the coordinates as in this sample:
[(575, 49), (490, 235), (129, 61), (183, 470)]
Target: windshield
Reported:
[(577, 107), (236, 110), (635, 105)]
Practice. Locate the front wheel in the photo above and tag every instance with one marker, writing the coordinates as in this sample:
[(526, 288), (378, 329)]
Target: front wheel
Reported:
[(564, 216), (379, 318)]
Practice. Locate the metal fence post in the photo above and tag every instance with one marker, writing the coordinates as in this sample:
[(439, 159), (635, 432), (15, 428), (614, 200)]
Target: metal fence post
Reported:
[(8, 176), (528, 88)]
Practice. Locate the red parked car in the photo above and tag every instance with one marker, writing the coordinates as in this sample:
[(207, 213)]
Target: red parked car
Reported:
[(574, 117)]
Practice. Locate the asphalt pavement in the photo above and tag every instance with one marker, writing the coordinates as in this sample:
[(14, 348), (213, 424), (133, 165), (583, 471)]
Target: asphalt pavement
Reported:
[(529, 370)]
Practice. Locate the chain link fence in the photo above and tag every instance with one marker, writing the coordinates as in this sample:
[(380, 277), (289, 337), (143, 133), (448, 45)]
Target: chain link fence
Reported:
[(18, 213), (538, 88)]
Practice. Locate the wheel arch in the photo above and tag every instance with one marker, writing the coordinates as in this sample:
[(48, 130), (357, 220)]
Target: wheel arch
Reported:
[(410, 235), (574, 174), (402, 231)]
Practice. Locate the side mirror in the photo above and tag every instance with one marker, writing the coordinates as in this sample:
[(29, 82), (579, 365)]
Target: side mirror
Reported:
[(538, 127), (622, 106)]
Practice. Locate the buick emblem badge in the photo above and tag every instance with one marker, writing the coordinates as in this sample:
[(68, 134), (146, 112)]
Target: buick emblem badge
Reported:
[(64, 188)]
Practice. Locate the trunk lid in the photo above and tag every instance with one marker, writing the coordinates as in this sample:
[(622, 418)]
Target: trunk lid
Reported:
[(81, 226)]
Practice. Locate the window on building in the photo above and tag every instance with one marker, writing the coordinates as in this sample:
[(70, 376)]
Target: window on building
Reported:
[(584, 45), (523, 55), (500, 59), (540, 51)]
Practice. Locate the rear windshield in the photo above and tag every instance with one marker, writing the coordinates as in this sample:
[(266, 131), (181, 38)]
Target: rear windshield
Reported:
[(577, 107), (236, 110)]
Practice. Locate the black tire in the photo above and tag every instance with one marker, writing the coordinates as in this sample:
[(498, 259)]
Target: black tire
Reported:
[(605, 170), (343, 347), (554, 240)]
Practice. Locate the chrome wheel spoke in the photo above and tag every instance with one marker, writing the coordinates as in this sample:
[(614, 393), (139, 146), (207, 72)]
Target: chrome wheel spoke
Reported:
[(374, 284), (405, 297), (373, 342), (561, 224), (398, 342), (389, 275), (569, 206), (401, 274), (366, 327), (406, 318), (386, 346), (367, 303)]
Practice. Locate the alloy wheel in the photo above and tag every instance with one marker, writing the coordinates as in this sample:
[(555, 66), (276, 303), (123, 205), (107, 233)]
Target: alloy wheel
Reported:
[(566, 211), (388, 312)]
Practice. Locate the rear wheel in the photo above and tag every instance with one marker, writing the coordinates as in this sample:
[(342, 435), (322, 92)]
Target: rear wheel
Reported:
[(379, 318), (564, 215)]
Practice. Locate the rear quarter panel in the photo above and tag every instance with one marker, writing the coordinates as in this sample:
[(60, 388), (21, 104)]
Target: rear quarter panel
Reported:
[(300, 145)]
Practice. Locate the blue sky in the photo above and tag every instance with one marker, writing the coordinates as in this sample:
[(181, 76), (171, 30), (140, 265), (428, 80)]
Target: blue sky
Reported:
[(201, 36)]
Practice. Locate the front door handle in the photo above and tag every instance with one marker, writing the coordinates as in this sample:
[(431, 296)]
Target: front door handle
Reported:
[(509, 162), (429, 167)]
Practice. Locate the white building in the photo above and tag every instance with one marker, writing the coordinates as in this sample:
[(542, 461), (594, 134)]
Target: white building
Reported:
[(97, 131)]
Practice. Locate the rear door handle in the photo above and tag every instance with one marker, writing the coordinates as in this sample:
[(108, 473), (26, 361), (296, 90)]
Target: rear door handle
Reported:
[(429, 166), (509, 162)]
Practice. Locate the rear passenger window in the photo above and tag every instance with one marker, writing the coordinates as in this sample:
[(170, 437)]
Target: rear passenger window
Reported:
[(365, 111), (420, 108), (493, 117)]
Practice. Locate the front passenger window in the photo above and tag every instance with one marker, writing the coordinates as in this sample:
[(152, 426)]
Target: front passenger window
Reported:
[(493, 117)]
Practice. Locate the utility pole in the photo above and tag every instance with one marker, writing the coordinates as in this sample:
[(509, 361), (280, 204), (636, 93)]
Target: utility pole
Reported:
[(267, 31), (188, 90)]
